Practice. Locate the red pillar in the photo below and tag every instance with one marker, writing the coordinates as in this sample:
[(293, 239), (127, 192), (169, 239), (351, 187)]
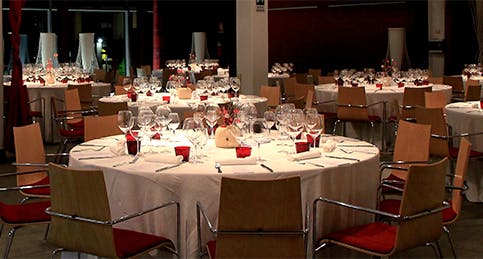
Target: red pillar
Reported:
[(155, 36)]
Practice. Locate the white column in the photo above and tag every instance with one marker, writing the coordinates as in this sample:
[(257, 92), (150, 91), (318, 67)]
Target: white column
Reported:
[(436, 25), (251, 45), (126, 43), (397, 49), (198, 46), (2, 121), (479, 29)]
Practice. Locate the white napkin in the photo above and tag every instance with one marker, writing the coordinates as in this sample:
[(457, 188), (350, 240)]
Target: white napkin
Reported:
[(329, 145), (305, 155), (238, 161), (163, 158), (120, 148)]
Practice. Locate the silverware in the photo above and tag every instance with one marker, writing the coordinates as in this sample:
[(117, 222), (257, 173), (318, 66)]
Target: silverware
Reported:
[(134, 160), (94, 157), (167, 167), (93, 149), (91, 145), (310, 163), (266, 167), (218, 167), (343, 157), (128, 162), (357, 151), (361, 145)]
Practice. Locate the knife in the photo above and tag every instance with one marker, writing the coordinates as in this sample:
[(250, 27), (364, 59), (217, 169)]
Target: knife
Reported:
[(167, 167), (266, 167), (91, 145), (94, 157), (355, 145), (343, 157)]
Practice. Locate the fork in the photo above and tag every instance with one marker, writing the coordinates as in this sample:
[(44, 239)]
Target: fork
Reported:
[(310, 163), (93, 149), (357, 151), (128, 162)]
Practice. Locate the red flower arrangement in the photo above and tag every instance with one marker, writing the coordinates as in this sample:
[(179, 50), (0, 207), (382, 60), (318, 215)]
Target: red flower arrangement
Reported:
[(388, 66)]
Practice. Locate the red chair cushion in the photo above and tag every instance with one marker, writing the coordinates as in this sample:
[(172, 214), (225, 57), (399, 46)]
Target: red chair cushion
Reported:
[(392, 177), (39, 191), (449, 214), (24, 212), (76, 125), (211, 246), (377, 237), (72, 133), (129, 243), (453, 153)]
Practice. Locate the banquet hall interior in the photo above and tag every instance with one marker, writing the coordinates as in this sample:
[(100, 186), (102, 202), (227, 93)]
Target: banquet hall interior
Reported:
[(316, 90)]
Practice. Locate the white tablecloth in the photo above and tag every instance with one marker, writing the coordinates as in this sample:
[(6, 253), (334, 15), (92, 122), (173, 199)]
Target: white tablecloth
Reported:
[(137, 186), (467, 117), (325, 92), (36, 91)]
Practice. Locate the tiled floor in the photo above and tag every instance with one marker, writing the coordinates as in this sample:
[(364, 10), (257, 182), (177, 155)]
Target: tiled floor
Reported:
[(467, 231)]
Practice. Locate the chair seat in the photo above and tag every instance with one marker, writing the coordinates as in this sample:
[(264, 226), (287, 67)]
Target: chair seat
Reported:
[(453, 153), (392, 206), (38, 191), (24, 212), (129, 243), (211, 246), (376, 237)]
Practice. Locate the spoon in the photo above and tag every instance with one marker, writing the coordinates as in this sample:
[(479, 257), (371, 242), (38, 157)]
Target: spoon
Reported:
[(218, 166)]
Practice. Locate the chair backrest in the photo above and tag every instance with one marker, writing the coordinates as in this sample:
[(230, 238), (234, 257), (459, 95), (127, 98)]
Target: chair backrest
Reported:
[(100, 75), (435, 99), (301, 78), (473, 90), (167, 72), (289, 86), (309, 98), (456, 82), (81, 193), (119, 90), (412, 144), (100, 126), (85, 93), (272, 93), (326, 79), (423, 191), (435, 118), (413, 97), (315, 72), (111, 108), (263, 205), (301, 91), (459, 176), (72, 99), (353, 96), (436, 80), (29, 148)]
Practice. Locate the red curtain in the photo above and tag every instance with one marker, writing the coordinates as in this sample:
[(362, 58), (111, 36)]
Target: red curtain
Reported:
[(156, 63), (16, 96)]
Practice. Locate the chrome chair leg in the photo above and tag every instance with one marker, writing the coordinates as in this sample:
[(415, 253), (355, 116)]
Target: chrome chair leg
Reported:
[(435, 249), (46, 231), (1, 229), (25, 199), (335, 127), (11, 234), (56, 251), (448, 234)]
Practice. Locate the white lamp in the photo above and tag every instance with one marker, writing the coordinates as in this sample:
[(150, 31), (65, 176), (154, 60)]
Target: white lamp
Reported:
[(47, 49), (86, 54), (199, 46), (396, 48)]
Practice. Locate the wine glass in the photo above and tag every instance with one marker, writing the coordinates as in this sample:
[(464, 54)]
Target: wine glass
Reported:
[(259, 136), (174, 122), (270, 120), (127, 87), (125, 121), (235, 84), (315, 125), (136, 135), (295, 124), (194, 131), (211, 117)]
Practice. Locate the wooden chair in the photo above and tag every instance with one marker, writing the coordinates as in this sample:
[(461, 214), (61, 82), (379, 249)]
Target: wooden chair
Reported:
[(119, 90), (435, 117), (147, 70), (289, 88), (111, 108), (413, 97), (272, 93), (326, 80), (301, 78), (85, 94), (451, 214), (435, 99), (456, 82), (419, 221), (301, 95), (473, 90), (100, 75), (275, 230), (309, 99), (38, 113), (81, 219), (100, 126), (436, 80), (352, 107), (315, 73), (167, 72)]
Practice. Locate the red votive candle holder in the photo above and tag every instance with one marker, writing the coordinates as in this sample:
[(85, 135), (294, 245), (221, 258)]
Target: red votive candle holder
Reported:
[(400, 85), (302, 146), (481, 104), (167, 98), (379, 85), (183, 151), (203, 97), (242, 152), (132, 145)]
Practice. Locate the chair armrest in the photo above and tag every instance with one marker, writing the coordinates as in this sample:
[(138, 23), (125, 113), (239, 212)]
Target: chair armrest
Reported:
[(201, 212), (24, 172), (56, 154), (24, 187), (403, 162), (30, 164), (324, 102)]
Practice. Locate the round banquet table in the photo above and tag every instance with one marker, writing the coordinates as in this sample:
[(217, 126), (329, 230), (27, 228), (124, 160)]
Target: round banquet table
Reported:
[(467, 117), (133, 187), (325, 92), (179, 105), (37, 91)]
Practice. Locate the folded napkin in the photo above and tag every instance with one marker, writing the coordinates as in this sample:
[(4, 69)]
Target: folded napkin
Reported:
[(120, 148), (304, 155), (163, 158), (329, 145), (238, 161)]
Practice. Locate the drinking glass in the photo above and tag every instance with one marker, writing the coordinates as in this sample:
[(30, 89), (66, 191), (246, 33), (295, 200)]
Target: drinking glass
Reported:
[(194, 131), (315, 125), (295, 124), (125, 121), (270, 120), (136, 135), (174, 122), (235, 84), (211, 117), (259, 136)]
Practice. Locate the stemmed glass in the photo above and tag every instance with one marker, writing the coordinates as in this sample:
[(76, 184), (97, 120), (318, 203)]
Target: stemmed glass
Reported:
[(194, 131), (174, 122), (295, 124), (314, 125), (235, 84), (125, 121), (211, 117), (259, 136), (269, 121), (136, 135)]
